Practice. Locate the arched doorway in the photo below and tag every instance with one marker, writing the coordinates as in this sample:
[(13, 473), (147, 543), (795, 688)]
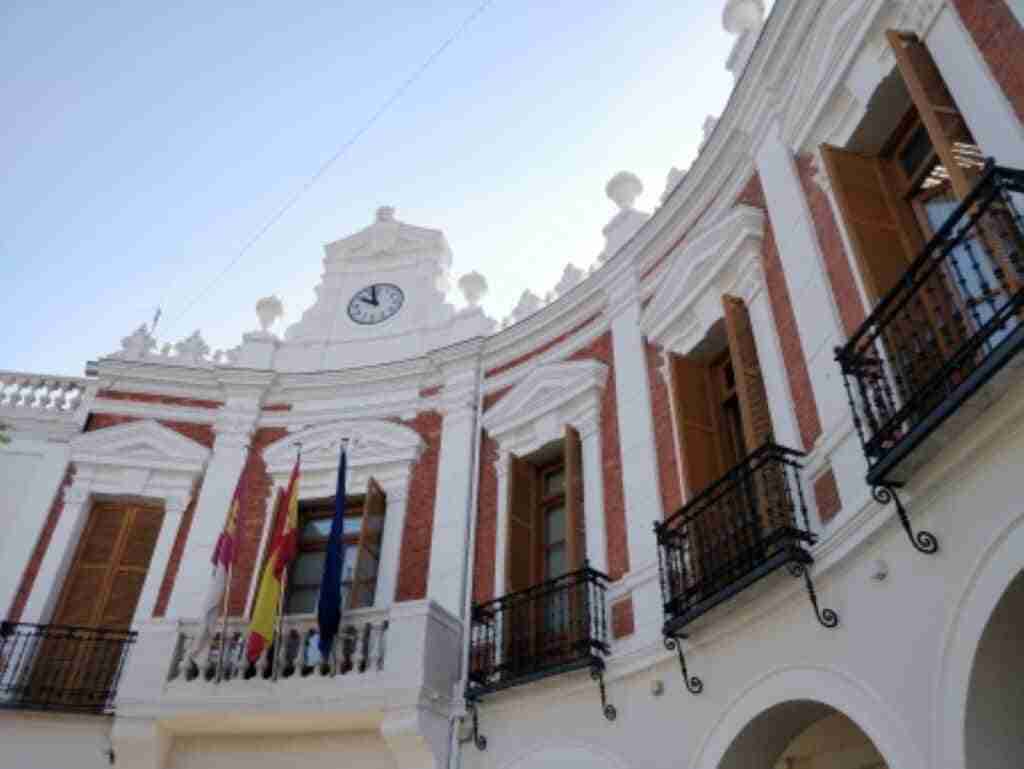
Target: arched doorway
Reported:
[(802, 734), (993, 729)]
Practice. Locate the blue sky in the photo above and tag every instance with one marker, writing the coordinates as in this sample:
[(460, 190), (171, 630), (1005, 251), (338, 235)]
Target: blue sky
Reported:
[(143, 145)]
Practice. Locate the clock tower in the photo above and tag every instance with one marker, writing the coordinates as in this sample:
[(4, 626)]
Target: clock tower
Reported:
[(381, 298)]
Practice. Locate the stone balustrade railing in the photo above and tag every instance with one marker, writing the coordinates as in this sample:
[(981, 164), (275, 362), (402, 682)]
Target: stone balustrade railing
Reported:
[(38, 394), (360, 647)]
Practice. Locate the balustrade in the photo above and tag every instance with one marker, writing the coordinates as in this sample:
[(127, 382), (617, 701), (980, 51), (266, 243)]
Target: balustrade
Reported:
[(40, 394), (360, 647)]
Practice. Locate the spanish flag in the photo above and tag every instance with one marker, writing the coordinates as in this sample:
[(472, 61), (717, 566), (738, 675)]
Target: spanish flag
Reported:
[(284, 545)]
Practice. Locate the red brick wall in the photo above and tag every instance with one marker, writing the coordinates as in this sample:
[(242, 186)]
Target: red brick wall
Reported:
[(199, 433), (623, 623), (664, 438), (28, 578), (807, 417), (614, 496), (485, 556), (419, 515), (837, 263), (826, 493), (166, 400), (1000, 38), (177, 550), (256, 505)]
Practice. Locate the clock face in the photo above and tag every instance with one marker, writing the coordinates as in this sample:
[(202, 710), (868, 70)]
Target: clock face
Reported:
[(375, 303)]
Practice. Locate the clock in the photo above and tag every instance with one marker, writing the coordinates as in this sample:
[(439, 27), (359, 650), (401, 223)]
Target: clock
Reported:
[(375, 303)]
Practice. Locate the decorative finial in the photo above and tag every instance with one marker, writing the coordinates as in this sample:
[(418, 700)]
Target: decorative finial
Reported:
[(386, 214), (474, 287), (742, 16), (268, 310), (624, 188)]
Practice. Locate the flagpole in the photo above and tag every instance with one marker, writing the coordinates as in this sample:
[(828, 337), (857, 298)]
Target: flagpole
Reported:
[(224, 624), (279, 633)]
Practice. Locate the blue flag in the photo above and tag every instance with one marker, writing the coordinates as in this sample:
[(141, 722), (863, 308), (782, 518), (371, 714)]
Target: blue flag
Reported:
[(329, 606)]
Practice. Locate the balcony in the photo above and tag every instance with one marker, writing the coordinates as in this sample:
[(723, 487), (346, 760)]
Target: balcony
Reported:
[(748, 524), (61, 668), (941, 345), (555, 627)]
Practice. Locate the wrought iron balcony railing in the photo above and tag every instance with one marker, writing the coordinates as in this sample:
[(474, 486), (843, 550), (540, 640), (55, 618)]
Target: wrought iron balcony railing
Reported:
[(58, 667), (551, 628), (744, 526), (950, 324)]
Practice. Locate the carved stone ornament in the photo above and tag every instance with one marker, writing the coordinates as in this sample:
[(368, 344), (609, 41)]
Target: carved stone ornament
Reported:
[(742, 16), (528, 304), (138, 344), (192, 349), (473, 286), (571, 277), (268, 310)]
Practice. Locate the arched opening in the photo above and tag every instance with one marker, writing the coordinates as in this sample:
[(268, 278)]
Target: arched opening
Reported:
[(993, 732), (802, 734)]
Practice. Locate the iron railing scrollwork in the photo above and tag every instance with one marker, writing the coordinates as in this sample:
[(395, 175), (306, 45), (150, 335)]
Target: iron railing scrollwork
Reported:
[(949, 325), (749, 523), (549, 628), (61, 667)]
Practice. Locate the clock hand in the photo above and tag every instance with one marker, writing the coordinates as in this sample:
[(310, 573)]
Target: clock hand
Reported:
[(373, 294)]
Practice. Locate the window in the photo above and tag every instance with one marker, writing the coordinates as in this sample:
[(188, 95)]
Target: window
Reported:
[(361, 536)]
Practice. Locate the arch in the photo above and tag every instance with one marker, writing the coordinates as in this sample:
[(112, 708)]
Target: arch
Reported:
[(792, 698), (566, 755), (998, 566)]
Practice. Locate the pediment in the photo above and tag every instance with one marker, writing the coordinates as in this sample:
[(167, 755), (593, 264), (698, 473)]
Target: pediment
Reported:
[(143, 443), (374, 442), (568, 387)]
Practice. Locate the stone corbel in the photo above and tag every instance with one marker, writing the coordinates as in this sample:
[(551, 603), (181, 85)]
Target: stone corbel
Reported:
[(417, 737)]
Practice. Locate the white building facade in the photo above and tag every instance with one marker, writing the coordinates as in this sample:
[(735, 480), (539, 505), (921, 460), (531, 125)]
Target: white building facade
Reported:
[(745, 494)]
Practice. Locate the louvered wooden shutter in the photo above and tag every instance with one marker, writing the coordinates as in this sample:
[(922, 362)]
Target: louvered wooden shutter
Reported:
[(696, 423), (576, 527), (757, 418), (129, 574), (881, 226), (946, 127), (368, 550), (521, 555)]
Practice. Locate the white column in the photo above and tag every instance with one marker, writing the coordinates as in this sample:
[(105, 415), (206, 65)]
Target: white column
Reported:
[(501, 524), (28, 515), (174, 509), (814, 307), (58, 556), (452, 506), (222, 472), (773, 369), (397, 500), (636, 425), (593, 496)]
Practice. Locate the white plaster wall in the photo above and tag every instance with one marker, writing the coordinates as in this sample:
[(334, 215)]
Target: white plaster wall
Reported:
[(50, 741), (310, 751), (30, 476)]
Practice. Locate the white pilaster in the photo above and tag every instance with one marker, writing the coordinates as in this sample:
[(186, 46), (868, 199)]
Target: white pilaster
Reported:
[(452, 506), (636, 424), (22, 529), (397, 498), (593, 497), (501, 524), (174, 508), (814, 307)]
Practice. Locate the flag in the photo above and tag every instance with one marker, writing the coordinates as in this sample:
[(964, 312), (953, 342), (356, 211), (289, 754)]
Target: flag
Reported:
[(284, 545), (223, 558), (329, 606)]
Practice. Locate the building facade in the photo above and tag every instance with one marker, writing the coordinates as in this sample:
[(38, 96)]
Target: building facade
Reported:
[(744, 494)]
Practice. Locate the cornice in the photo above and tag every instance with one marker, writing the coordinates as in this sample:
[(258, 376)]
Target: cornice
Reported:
[(159, 411)]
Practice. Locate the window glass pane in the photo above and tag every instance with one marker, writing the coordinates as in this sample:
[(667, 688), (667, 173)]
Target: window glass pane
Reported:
[(554, 565), (554, 482), (302, 600), (316, 528), (307, 569), (554, 525), (352, 525), (915, 151)]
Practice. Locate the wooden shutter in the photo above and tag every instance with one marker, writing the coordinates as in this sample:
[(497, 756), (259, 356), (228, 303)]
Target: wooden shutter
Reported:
[(697, 426), (757, 418), (575, 521), (946, 127), (521, 557), (371, 531), (882, 228)]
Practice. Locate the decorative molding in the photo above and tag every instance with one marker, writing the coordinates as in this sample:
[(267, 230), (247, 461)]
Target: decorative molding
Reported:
[(142, 445)]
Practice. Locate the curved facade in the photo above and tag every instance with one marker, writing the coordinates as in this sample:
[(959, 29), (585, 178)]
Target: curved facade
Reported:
[(746, 494)]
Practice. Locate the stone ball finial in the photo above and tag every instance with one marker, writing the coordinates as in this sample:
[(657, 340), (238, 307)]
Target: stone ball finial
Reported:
[(741, 16), (624, 188), (268, 310), (473, 286), (386, 214)]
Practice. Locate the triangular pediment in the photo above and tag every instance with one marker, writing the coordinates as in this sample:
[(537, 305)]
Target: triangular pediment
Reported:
[(142, 443), (546, 390), (372, 442)]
